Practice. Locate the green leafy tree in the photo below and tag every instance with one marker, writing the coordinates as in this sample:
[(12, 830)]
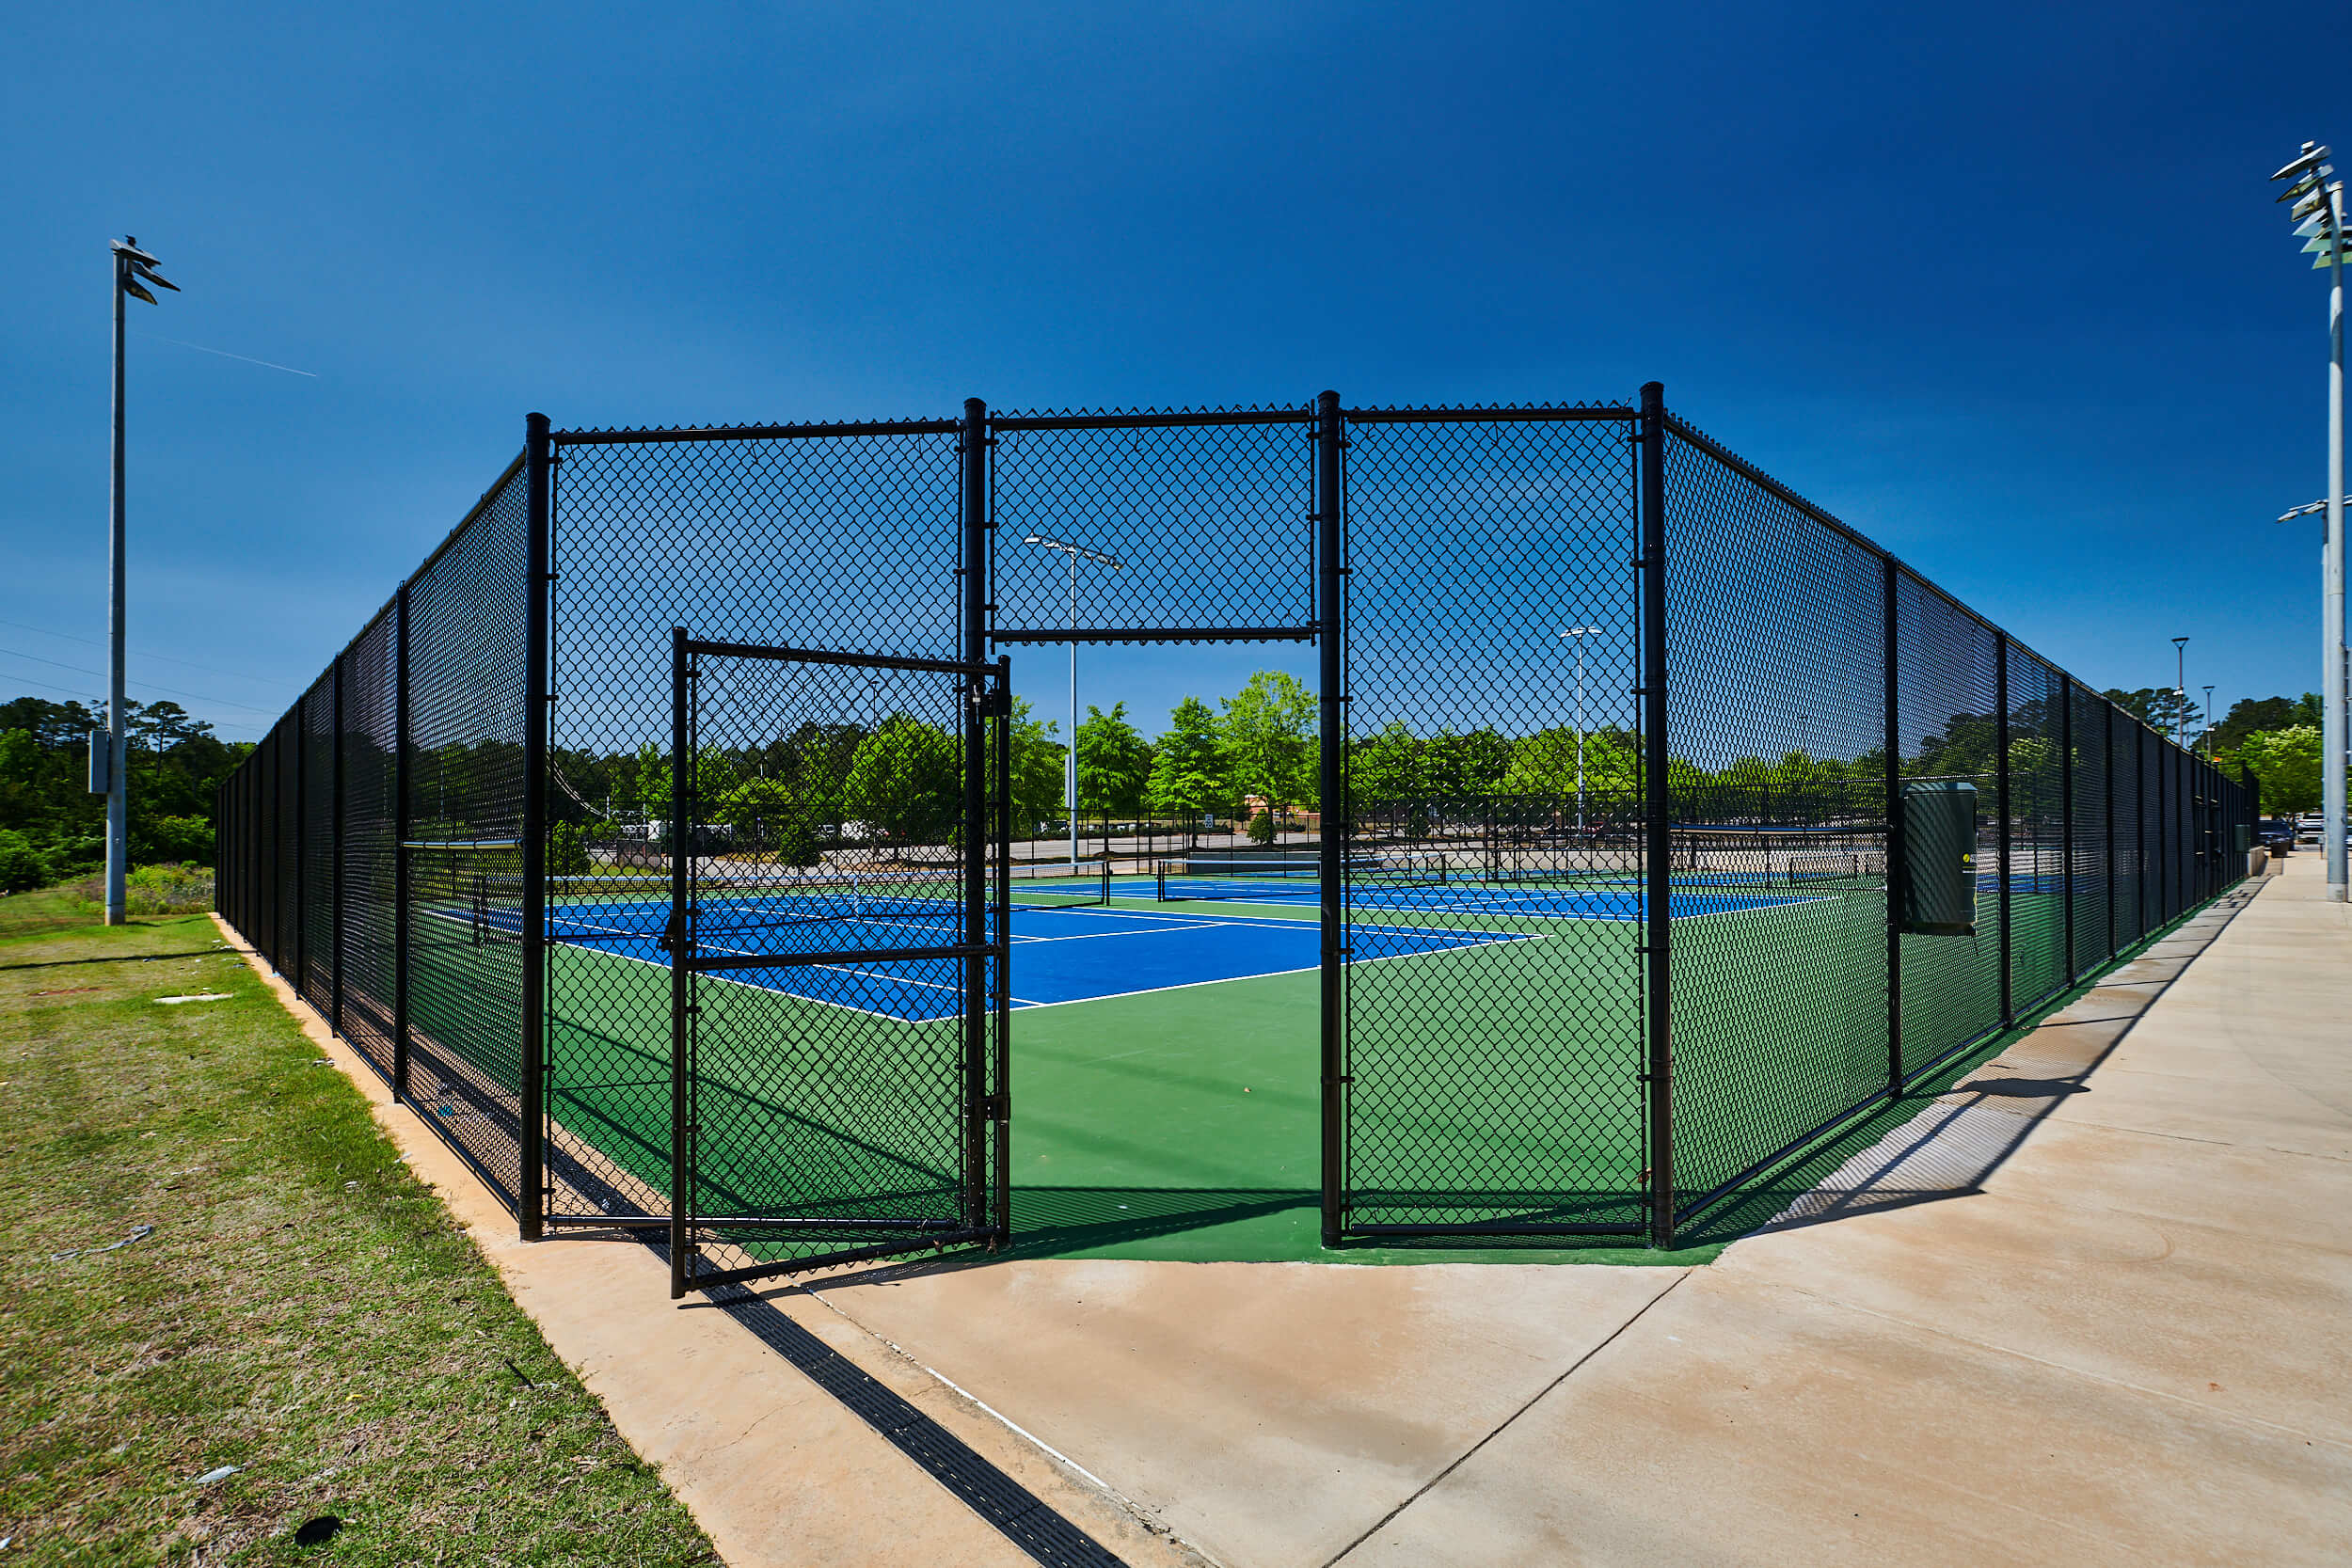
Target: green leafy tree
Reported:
[(1546, 764), (1114, 762), (1038, 759), (1384, 771), (2159, 707), (1457, 766), (567, 850), (2285, 763), (21, 866), (2251, 715), (1189, 771), (905, 781), (1269, 731)]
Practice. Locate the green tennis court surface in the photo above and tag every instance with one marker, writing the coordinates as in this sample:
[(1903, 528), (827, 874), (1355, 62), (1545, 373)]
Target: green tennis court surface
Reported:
[(1181, 1120)]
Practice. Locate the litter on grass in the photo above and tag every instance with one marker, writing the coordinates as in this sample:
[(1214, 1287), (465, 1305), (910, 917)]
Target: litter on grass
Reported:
[(137, 1232), (200, 996)]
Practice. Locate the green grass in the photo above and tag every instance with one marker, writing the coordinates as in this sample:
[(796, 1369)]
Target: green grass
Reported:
[(303, 1308)]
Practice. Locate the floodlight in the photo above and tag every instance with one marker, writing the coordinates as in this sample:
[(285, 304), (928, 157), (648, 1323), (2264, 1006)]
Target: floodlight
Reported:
[(2312, 153)]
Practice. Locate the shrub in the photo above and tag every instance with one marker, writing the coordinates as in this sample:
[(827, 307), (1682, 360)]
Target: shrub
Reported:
[(170, 840), (1262, 827), (21, 866), (567, 850)]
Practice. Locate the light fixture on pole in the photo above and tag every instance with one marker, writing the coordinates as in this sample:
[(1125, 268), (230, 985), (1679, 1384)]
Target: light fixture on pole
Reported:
[(2316, 205), (1580, 634), (134, 269), (1070, 770), (2208, 735), (2180, 691)]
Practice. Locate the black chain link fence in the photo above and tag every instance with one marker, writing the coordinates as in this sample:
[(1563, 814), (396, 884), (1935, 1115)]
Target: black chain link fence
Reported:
[(1663, 823)]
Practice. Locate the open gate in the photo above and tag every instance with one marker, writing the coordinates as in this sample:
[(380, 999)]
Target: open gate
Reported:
[(836, 947)]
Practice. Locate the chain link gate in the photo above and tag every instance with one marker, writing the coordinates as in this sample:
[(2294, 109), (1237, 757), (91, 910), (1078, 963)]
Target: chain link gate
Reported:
[(837, 1084), (1618, 738)]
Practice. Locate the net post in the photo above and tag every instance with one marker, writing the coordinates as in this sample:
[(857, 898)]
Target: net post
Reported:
[(680, 943), (972, 639), (2000, 809), (1331, 653), (1659, 814), (2066, 817), (400, 844), (1896, 864), (531, 1201)]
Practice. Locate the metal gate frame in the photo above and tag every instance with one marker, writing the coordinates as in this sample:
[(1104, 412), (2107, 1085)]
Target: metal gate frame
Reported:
[(982, 1075)]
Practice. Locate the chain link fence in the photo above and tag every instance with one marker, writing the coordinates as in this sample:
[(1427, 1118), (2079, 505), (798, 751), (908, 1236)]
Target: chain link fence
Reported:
[(1661, 822)]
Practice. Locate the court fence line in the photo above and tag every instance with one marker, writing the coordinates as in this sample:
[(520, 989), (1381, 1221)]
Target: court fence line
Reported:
[(1807, 829)]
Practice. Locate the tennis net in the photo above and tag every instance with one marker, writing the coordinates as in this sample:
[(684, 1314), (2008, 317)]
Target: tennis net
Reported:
[(605, 907)]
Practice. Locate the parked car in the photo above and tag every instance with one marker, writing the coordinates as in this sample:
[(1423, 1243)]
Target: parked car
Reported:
[(2275, 835), (2307, 828)]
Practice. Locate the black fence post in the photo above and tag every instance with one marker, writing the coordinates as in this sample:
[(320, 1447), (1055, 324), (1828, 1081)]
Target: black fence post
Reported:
[(1896, 868), (1001, 846), (400, 844), (1656, 777), (299, 976), (2066, 819), (980, 1115), (2000, 809), (680, 942), (1331, 655), (531, 1201), (335, 866)]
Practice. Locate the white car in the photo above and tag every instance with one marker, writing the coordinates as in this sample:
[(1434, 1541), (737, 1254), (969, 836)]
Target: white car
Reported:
[(2307, 828)]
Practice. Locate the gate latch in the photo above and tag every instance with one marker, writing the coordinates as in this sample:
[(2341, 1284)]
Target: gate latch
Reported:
[(996, 703), (995, 1107)]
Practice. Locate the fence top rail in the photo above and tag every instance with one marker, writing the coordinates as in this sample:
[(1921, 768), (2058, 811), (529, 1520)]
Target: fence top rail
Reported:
[(1152, 634), (1153, 419), (1747, 471), (1533, 413), (815, 431)]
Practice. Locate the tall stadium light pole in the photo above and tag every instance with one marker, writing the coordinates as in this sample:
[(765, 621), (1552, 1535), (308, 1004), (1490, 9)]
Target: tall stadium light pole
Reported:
[(1070, 767), (133, 269), (2317, 204), (1578, 634), (2208, 735), (2180, 690)]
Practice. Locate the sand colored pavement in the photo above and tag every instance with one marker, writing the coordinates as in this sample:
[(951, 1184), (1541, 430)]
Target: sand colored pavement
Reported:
[(2088, 1308)]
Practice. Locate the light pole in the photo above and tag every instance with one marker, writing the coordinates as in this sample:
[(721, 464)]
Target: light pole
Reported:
[(131, 266), (2180, 690), (2316, 205), (1578, 634), (2208, 735), (1070, 770)]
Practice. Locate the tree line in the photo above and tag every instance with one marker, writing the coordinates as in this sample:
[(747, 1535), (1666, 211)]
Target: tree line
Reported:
[(52, 828), (2277, 740)]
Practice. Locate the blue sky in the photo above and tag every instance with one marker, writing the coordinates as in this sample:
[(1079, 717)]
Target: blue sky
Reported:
[(2003, 287)]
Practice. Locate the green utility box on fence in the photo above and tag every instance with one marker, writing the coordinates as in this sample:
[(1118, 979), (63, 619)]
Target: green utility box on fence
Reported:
[(2244, 834), (1939, 882)]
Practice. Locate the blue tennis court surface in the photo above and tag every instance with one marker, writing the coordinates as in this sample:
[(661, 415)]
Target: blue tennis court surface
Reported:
[(1058, 955), (1622, 901)]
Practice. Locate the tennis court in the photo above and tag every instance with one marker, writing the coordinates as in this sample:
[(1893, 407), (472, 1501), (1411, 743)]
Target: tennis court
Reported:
[(1165, 1059)]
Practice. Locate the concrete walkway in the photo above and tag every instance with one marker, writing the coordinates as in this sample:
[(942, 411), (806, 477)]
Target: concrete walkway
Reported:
[(2092, 1308)]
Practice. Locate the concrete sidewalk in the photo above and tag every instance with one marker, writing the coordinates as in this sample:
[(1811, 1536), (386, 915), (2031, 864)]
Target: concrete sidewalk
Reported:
[(2090, 1308)]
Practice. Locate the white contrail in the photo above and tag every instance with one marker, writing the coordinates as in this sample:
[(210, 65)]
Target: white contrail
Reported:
[(226, 354)]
